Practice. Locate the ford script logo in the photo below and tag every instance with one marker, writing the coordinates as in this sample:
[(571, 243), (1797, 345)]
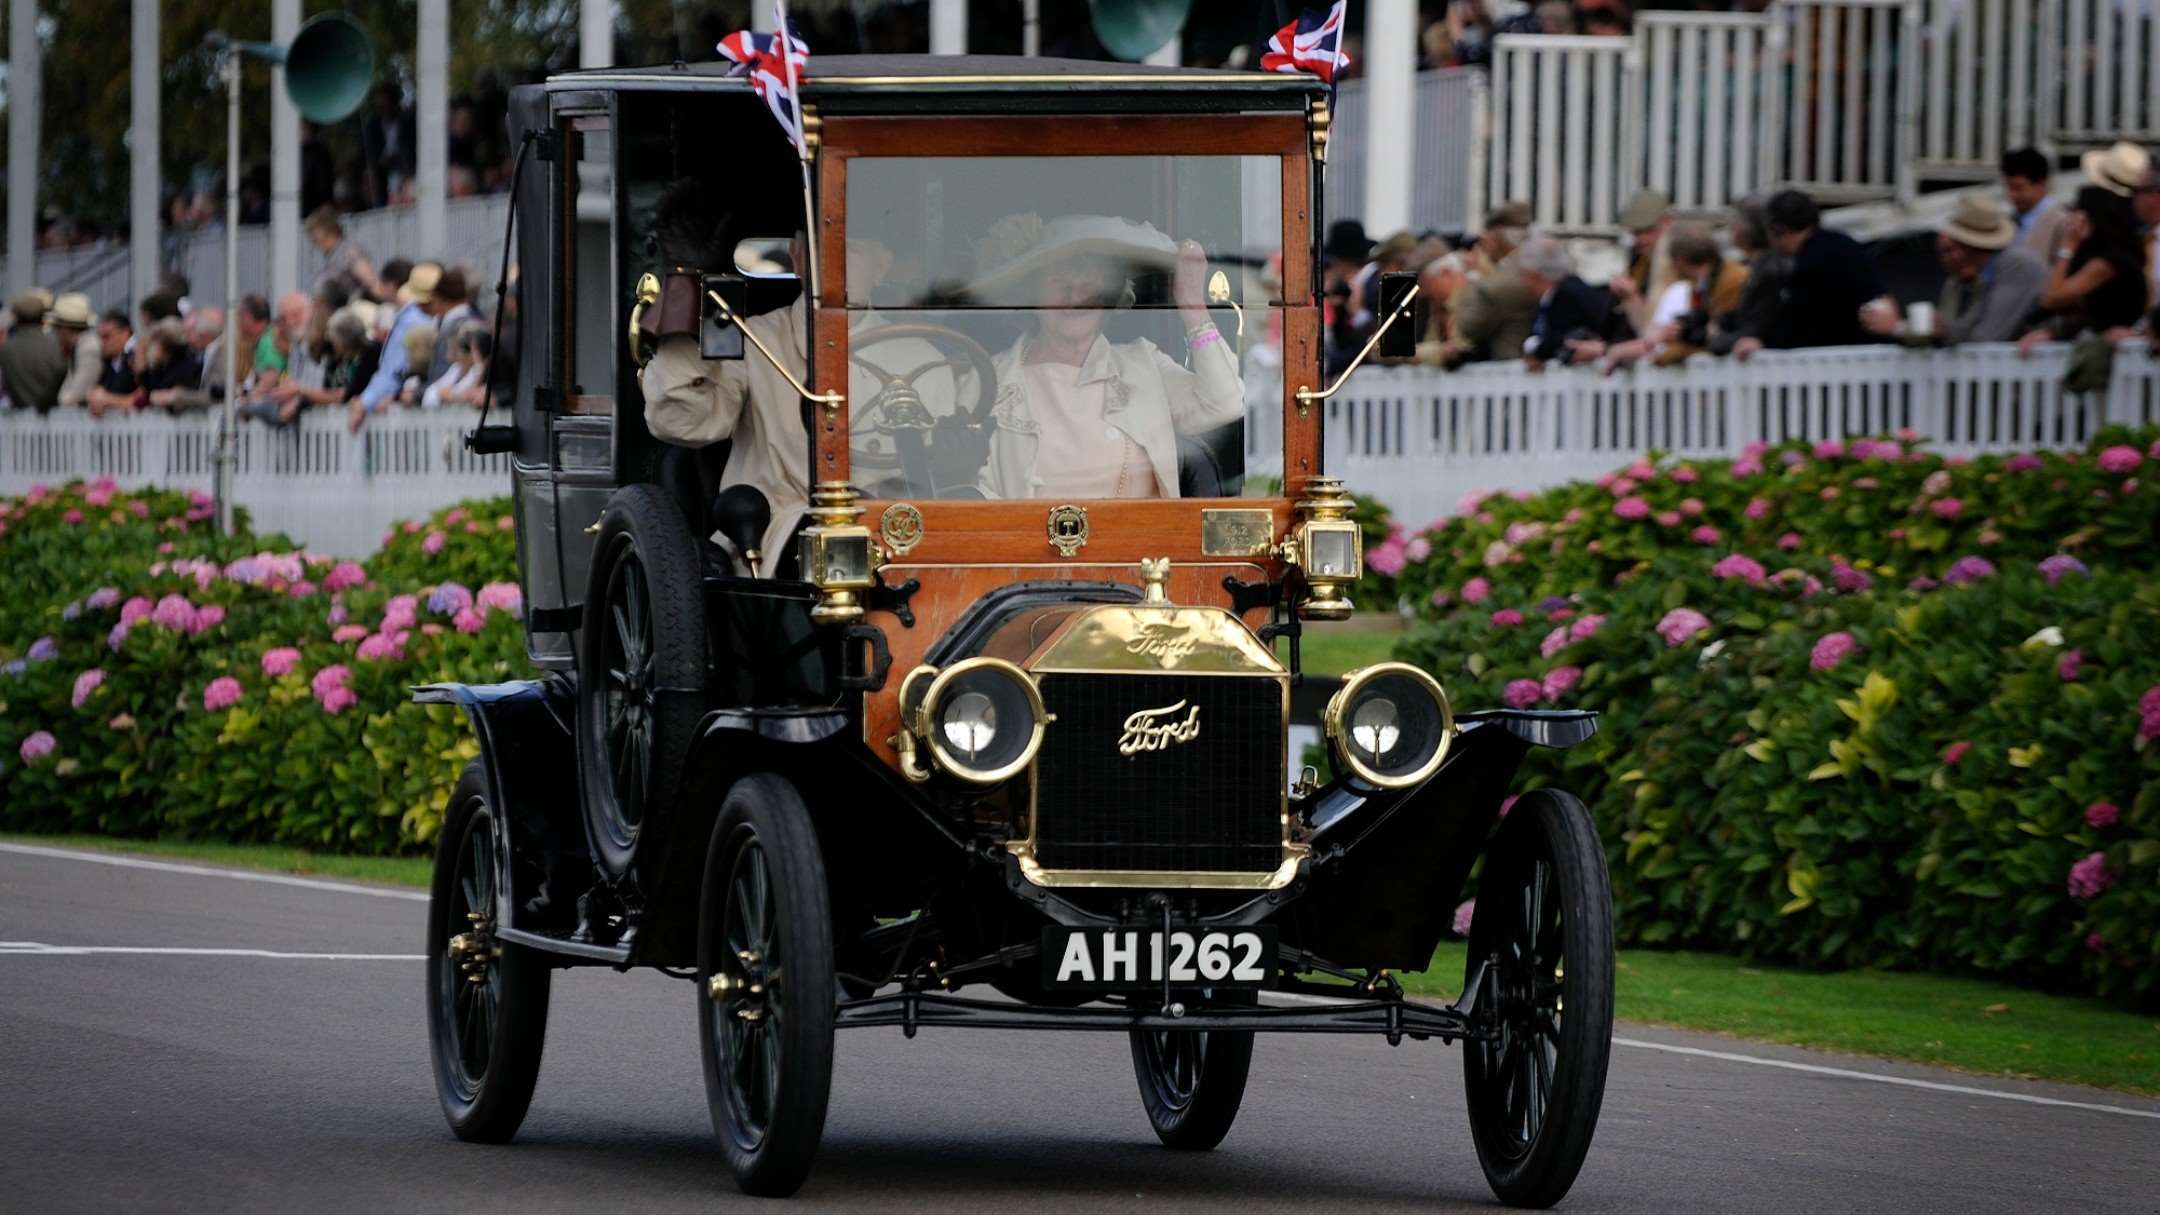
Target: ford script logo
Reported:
[(1167, 644), (1158, 729)]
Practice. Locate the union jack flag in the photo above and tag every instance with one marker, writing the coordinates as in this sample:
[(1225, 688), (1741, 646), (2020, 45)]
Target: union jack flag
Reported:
[(774, 65), (1312, 43)]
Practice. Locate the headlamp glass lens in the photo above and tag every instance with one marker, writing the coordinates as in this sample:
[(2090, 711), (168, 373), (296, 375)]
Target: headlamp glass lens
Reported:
[(970, 723), (1375, 726)]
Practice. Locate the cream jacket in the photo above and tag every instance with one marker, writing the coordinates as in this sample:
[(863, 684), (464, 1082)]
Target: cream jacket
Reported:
[(1150, 396), (695, 403)]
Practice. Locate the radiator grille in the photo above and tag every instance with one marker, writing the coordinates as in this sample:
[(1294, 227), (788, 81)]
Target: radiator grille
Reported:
[(1211, 804)]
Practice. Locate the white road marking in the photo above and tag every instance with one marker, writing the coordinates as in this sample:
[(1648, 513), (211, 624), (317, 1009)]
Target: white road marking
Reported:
[(1819, 1069), (237, 875), (38, 949)]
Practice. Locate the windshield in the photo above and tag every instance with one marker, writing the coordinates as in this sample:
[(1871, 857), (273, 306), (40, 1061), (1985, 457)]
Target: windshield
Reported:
[(1060, 327)]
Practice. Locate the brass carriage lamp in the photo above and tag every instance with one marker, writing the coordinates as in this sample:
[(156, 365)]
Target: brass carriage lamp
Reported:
[(837, 556), (1329, 548)]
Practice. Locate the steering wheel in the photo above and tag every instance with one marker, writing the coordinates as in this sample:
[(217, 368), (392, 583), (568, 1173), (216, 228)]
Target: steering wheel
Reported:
[(962, 444)]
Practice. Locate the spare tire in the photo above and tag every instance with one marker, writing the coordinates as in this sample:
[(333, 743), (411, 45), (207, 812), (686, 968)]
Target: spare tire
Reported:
[(641, 675)]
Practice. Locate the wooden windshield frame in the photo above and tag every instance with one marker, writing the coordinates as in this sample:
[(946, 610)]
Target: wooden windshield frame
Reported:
[(974, 532)]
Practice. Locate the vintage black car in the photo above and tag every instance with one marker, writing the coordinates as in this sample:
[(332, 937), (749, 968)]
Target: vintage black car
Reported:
[(909, 623)]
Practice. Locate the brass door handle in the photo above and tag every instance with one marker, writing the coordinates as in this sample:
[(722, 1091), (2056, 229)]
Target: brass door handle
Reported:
[(648, 294)]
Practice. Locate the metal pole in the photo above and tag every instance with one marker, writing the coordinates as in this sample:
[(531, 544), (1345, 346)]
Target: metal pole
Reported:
[(1390, 79), (143, 152), (596, 33), (284, 161), (22, 171), (433, 79), (228, 453)]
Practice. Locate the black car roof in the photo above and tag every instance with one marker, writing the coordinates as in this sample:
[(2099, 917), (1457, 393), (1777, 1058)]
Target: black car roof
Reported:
[(930, 76)]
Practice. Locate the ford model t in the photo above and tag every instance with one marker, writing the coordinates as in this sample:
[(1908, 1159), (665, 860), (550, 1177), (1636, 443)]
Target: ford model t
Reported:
[(919, 632)]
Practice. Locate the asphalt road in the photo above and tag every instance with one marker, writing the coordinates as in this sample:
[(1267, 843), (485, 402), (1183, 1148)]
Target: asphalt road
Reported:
[(218, 1082)]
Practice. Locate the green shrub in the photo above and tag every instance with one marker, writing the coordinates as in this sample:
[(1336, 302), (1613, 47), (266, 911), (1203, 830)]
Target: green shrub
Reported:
[(1916, 789)]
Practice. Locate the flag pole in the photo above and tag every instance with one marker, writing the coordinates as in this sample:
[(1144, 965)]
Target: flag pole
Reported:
[(785, 33)]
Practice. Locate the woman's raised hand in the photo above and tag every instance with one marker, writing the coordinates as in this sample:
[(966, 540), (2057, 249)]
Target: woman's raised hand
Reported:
[(1189, 287)]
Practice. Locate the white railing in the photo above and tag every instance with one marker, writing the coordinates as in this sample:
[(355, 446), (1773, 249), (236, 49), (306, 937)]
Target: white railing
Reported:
[(1419, 438), (1852, 96), (1558, 122), (1701, 84), (328, 489), (2110, 77), (1989, 70), (1447, 126)]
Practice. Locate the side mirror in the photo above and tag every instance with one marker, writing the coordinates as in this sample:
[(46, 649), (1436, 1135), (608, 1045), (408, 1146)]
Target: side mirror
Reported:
[(1398, 288), (718, 335), (491, 440)]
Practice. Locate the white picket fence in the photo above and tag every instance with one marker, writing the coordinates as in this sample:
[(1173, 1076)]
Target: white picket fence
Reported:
[(334, 491), (1447, 135), (1418, 438)]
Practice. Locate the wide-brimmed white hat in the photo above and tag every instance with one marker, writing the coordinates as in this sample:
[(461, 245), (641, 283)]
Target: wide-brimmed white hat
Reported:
[(2117, 169), (1980, 224), (1021, 246)]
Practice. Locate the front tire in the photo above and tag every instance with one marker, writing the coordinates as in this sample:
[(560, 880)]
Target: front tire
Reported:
[(1192, 1082), (487, 1001), (765, 986), (1544, 921)]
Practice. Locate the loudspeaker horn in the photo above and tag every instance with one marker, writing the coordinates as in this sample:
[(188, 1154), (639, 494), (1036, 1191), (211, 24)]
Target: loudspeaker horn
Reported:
[(328, 67), (1134, 29)]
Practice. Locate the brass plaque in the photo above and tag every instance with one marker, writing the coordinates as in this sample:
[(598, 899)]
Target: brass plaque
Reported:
[(1068, 529), (1238, 532), (902, 528)]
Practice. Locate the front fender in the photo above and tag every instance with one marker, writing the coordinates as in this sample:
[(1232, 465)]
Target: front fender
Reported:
[(1389, 864)]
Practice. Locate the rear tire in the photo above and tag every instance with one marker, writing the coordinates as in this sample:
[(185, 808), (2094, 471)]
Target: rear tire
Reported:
[(766, 1030), (487, 1001), (641, 674), (1192, 1082), (1544, 914)]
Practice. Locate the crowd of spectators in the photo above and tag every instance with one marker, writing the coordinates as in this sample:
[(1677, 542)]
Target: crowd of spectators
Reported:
[(364, 339), (2030, 267)]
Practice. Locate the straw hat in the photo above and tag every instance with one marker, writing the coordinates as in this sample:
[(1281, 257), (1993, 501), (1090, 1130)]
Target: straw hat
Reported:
[(2117, 169), (1644, 210), (1021, 246), (71, 311), (1981, 224), (420, 285)]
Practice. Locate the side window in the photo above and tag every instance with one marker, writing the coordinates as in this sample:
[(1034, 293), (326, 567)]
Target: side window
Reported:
[(592, 270)]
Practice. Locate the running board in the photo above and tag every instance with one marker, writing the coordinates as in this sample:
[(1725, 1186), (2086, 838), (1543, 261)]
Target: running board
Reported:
[(612, 955), (1394, 1018)]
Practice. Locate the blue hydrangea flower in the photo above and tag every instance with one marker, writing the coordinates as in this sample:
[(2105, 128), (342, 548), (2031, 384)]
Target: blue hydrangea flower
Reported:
[(44, 649), (14, 667), (71, 611)]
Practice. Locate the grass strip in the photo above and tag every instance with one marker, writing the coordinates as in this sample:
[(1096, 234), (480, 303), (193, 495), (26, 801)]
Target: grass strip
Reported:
[(391, 870), (1972, 1025)]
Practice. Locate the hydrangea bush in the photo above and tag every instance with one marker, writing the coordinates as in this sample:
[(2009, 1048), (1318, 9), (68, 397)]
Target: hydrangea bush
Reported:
[(1861, 727), (165, 680)]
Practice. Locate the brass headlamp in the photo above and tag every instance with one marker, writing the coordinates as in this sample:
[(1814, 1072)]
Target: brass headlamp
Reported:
[(1328, 547), (836, 554)]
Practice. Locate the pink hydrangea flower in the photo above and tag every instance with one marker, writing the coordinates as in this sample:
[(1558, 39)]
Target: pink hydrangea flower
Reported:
[(1833, 649), (85, 684), (1829, 449), (2090, 878), (1955, 752), (1642, 470), (1464, 913), (412, 527), (402, 612), (1745, 467), (337, 700), (1586, 627), (117, 637), (2067, 667), (71, 516), (1385, 558), (1757, 508), (1522, 693), (1937, 483), (36, 747), (1946, 508), (1849, 580), (2102, 815), (502, 596), (2024, 461), (1738, 565), (1476, 591), (2119, 459), (1829, 493), (101, 496), (1418, 548), (1469, 502), (139, 508), (1554, 642), (1681, 625), (504, 523), (434, 542), (2094, 942), (2058, 567), (1506, 618), (380, 647), (223, 693), (1789, 541), (344, 575), (1686, 475), (1631, 508), (454, 514), (469, 620), (173, 612), (345, 634), (1706, 534), (1668, 518), (1967, 570), (280, 662), (1560, 681), (207, 617)]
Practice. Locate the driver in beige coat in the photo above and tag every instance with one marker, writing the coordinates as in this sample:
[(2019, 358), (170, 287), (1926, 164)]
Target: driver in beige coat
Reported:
[(695, 402)]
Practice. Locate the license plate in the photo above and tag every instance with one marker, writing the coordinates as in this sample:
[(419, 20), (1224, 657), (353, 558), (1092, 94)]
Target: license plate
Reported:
[(1107, 958)]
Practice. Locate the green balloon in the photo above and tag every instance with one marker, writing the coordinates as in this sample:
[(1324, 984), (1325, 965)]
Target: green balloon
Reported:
[(328, 67), (1134, 29)]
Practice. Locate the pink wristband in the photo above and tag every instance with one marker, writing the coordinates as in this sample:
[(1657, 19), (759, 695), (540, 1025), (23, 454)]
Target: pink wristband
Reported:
[(1206, 337)]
